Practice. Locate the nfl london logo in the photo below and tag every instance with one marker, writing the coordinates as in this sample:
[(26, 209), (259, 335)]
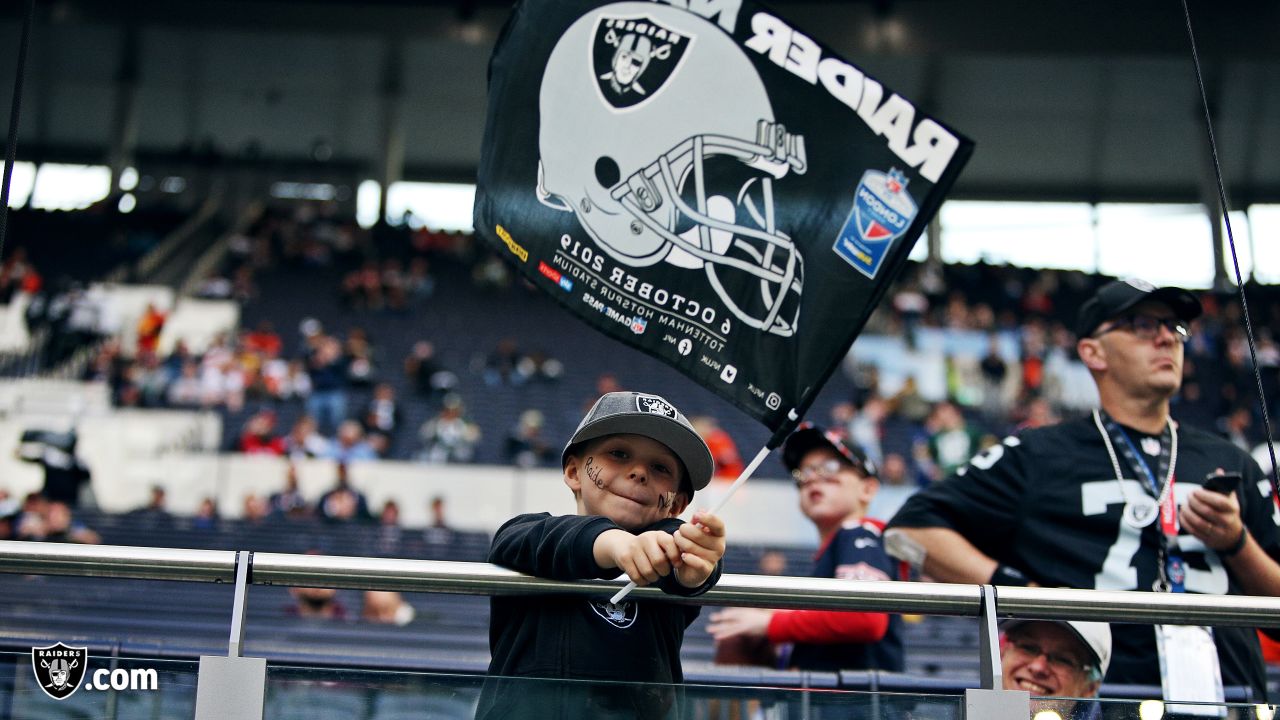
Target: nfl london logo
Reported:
[(882, 211), (638, 325), (59, 669)]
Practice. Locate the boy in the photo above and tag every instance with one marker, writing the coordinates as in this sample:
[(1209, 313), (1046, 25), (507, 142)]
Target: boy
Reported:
[(633, 465), (836, 482)]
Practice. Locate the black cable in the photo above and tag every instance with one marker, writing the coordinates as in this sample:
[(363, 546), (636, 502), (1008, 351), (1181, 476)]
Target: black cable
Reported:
[(11, 148), (1235, 261)]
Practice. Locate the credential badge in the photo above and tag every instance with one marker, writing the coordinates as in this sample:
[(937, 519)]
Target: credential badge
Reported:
[(633, 57), (59, 669), (882, 211)]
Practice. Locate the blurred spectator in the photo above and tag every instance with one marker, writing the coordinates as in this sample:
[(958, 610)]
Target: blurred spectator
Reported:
[(606, 383), (206, 517), (316, 603), (911, 305), (157, 504), (395, 285), (255, 509), (328, 400), (438, 531), (66, 477), (303, 441), (728, 463), (382, 416), (8, 526), (525, 446), (53, 522), (504, 365), (389, 531), (149, 327), (187, 390), (350, 444), (1040, 413), (387, 607), (894, 471), (438, 518), (289, 501), (29, 518), (361, 370), (429, 377), (491, 274), (390, 515), (772, 563), (994, 369), (908, 403), (953, 442), (419, 285), (449, 437), (263, 340), (541, 366), (295, 383), (221, 383), (343, 503), (17, 274), (259, 436), (866, 427), (1234, 426)]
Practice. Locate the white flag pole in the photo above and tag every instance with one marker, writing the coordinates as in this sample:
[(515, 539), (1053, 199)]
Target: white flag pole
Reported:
[(746, 473)]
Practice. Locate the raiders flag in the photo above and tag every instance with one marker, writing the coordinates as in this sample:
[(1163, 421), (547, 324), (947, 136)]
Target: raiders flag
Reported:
[(709, 185)]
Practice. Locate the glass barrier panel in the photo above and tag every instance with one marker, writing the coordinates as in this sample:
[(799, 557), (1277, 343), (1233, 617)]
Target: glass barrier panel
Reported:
[(67, 685), (1071, 709), (297, 693)]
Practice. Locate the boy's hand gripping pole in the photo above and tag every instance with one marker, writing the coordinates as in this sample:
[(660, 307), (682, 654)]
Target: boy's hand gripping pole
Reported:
[(746, 473)]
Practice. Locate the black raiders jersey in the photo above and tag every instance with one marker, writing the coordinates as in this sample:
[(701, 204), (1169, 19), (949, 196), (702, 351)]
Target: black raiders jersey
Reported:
[(1048, 503)]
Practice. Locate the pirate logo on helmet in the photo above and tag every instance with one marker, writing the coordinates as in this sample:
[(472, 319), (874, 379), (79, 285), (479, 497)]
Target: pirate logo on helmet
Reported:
[(657, 133), (59, 669), (633, 57)]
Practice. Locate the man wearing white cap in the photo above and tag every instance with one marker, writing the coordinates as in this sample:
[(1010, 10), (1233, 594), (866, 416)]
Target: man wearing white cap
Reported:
[(1055, 658)]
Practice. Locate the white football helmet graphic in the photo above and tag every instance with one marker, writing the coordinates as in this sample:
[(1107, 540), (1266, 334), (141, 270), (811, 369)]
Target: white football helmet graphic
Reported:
[(657, 133)]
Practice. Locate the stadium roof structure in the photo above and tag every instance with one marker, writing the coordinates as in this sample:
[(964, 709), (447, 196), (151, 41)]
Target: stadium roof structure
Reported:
[(1066, 100)]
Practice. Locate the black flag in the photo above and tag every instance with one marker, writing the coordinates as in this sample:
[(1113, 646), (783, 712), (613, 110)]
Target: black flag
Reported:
[(709, 185)]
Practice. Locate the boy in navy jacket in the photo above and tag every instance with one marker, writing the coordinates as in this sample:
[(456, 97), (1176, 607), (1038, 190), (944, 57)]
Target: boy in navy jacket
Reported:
[(633, 465)]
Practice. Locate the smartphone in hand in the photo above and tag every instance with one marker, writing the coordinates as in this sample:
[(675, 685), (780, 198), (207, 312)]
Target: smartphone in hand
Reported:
[(1224, 484)]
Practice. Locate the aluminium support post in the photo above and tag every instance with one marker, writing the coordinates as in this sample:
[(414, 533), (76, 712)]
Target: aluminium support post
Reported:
[(233, 687), (992, 701)]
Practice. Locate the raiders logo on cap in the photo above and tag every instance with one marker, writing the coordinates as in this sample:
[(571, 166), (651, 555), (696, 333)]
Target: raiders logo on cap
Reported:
[(655, 405)]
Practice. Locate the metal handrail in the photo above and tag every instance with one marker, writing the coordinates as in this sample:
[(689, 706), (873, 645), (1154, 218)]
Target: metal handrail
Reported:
[(117, 561), (748, 590)]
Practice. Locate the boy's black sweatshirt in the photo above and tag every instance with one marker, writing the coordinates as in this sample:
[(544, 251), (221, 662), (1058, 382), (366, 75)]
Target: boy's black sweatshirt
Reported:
[(558, 636)]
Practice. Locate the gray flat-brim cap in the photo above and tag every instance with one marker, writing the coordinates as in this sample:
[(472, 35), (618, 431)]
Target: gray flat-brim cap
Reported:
[(653, 417)]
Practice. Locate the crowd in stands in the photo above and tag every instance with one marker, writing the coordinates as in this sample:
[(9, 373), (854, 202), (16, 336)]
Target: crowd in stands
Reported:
[(343, 397)]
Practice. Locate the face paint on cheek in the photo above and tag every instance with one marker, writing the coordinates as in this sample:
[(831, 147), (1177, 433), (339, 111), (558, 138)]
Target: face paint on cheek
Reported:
[(666, 500), (593, 472)]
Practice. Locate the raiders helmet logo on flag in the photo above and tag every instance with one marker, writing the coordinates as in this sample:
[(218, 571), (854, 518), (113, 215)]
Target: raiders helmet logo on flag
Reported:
[(634, 57), (706, 183)]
